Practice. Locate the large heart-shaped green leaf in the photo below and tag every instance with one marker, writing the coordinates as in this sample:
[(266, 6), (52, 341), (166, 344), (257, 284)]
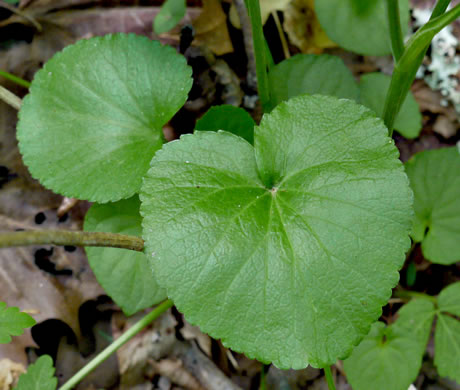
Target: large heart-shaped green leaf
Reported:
[(360, 26), (390, 358), (12, 322), (286, 250), (313, 74), (94, 115), (125, 275), (373, 90), (435, 179)]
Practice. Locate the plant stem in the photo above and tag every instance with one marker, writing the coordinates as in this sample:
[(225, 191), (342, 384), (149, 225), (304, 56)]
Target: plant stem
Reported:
[(397, 42), (413, 295), (284, 43), (440, 8), (66, 237), (10, 98), (131, 332), (259, 51), (407, 66), (263, 379), (329, 378), (14, 79)]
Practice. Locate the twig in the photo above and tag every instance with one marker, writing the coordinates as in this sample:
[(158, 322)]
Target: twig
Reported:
[(65, 237)]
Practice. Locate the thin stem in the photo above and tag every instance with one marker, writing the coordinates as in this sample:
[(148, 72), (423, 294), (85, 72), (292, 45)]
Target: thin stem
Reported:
[(263, 379), (284, 43), (440, 8), (131, 332), (329, 378), (10, 98), (66, 237), (14, 79), (408, 295), (397, 42), (259, 51)]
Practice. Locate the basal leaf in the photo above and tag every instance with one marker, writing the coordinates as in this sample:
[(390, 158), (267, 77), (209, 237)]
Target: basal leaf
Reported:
[(286, 250), (171, 12), (125, 275), (360, 25), (313, 74), (390, 358), (94, 115), (374, 88), (447, 347), (13, 322), (435, 180), (449, 299), (229, 118), (39, 376)]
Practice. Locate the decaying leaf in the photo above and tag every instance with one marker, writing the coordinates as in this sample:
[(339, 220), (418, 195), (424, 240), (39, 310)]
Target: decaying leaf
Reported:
[(211, 28), (303, 28)]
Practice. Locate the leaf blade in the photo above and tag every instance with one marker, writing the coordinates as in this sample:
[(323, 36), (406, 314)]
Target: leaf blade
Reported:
[(13, 322), (39, 376)]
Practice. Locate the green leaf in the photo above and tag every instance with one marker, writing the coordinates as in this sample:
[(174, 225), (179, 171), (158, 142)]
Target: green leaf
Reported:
[(229, 118), (93, 119), (447, 347), (39, 376), (374, 88), (390, 358), (13, 322), (286, 250), (435, 180), (360, 25), (171, 12), (125, 275), (449, 299), (313, 74)]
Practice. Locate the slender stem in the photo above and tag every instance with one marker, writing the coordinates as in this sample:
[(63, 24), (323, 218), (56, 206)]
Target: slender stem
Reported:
[(259, 50), (440, 8), (413, 295), (329, 378), (263, 379), (131, 332), (10, 98), (14, 79), (397, 42), (66, 237), (284, 43)]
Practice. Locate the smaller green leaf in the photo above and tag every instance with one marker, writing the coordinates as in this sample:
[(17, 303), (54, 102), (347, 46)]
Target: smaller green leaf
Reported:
[(435, 180), (449, 299), (39, 376), (313, 74), (374, 88), (13, 322), (360, 26), (392, 356), (229, 118), (447, 347), (93, 118), (171, 12), (125, 275)]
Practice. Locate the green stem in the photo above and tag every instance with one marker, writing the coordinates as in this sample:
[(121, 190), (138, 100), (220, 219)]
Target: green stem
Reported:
[(259, 51), (14, 79), (397, 42), (440, 8), (10, 98), (65, 237), (263, 379), (414, 294), (131, 332), (407, 66), (329, 378)]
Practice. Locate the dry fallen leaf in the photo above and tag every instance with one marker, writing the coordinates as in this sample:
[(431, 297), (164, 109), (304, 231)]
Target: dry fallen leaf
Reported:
[(211, 28), (303, 28), (9, 373)]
